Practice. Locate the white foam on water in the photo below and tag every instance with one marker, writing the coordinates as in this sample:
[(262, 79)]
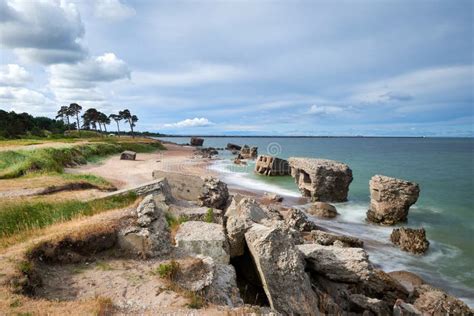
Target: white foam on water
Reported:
[(242, 179)]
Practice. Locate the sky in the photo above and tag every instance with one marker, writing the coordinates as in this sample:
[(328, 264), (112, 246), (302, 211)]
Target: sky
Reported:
[(242, 67)]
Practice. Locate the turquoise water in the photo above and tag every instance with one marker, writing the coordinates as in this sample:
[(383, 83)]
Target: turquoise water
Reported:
[(444, 169)]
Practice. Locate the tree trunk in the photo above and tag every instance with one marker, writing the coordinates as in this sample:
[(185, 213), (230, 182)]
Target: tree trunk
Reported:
[(105, 128), (78, 126), (100, 127), (131, 127), (118, 128), (68, 123)]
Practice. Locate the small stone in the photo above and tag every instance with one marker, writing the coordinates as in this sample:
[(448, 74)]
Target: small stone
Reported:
[(128, 155), (322, 209)]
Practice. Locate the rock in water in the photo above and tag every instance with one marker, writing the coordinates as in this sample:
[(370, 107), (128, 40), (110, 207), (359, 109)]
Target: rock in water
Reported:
[(411, 240), (196, 141), (281, 270), (322, 209), (214, 193), (248, 152), (202, 238), (128, 155), (321, 179), (432, 301), (233, 147), (151, 236), (272, 166), (298, 220), (390, 199)]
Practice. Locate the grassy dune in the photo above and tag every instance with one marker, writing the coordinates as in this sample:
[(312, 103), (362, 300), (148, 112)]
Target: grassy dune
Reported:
[(17, 163), (19, 217)]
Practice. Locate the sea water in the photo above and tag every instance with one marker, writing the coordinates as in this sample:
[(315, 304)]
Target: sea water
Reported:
[(443, 167)]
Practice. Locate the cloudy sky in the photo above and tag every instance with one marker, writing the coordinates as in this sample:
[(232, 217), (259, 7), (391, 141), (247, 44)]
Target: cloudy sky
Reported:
[(246, 67)]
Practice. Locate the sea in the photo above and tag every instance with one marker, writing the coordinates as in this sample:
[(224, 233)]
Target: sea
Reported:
[(443, 167)]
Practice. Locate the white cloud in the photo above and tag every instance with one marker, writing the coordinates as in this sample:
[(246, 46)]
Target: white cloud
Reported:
[(325, 109), (194, 75), (48, 31), (13, 75), (80, 82), (113, 10), (195, 122), (20, 99)]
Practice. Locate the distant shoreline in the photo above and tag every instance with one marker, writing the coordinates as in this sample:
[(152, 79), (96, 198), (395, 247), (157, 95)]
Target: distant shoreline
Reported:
[(275, 136)]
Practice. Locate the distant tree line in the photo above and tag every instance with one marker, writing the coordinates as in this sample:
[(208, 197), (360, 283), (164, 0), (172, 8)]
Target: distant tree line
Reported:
[(15, 125), (94, 119)]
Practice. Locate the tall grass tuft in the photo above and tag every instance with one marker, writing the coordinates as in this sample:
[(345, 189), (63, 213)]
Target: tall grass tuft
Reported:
[(16, 217)]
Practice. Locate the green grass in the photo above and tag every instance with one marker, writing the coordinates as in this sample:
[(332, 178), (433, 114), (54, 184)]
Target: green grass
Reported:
[(209, 216), (16, 217), (167, 270), (17, 163)]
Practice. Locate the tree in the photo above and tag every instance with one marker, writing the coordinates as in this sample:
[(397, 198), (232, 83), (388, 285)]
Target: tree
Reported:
[(131, 119), (90, 118), (103, 119), (64, 112), (117, 118), (74, 110)]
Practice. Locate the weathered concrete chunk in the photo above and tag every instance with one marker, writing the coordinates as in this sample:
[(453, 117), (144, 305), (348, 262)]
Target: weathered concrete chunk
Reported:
[(128, 155), (321, 179), (376, 306), (349, 265), (206, 152), (248, 152), (329, 239), (223, 290), (214, 193), (196, 141), (182, 186), (297, 219), (404, 309), (150, 237), (273, 197), (272, 166), (203, 238), (432, 301), (322, 209), (390, 199), (281, 270), (410, 239), (240, 216), (195, 273)]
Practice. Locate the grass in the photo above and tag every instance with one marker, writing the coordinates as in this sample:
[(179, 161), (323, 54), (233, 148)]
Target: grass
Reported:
[(167, 271), (209, 216), (17, 217), (18, 163)]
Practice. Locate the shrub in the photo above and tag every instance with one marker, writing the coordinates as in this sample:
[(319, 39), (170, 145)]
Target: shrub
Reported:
[(168, 270), (209, 216)]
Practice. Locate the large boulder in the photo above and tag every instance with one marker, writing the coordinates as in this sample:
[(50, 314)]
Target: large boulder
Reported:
[(248, 152), (206, 152), (239, 217), (183, 186), (149, 236), (322, 209), (271, 166), (281, 270), (203, 214), (350, 265), (196, 141), (329, 239), (207, 239), (390, 199), (321, 179), (433, 301), (214, 193), (128, 155), (410, 239)]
